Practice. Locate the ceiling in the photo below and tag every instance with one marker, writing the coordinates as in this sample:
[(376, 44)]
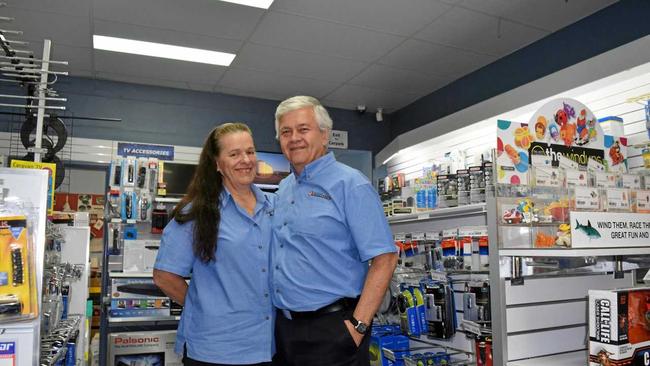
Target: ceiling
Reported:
[(380, 53)]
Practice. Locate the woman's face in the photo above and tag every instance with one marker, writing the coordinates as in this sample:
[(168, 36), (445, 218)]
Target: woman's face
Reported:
[(236, 160)]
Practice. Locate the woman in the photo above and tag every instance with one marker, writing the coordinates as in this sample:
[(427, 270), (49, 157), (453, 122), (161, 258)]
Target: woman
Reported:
[(220, 236)]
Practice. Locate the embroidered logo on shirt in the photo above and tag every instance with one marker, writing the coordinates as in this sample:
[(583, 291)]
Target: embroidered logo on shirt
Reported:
[(320, 195)]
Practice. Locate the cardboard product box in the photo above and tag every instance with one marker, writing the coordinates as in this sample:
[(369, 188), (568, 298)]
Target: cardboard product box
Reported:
[(619, 327), (143, 348)]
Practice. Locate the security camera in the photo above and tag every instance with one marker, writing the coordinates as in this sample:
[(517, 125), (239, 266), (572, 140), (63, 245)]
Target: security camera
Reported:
[(380, 114), (361, 108)]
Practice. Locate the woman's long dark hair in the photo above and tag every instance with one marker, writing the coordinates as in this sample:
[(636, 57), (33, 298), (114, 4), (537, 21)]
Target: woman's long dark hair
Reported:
[(204, 192)]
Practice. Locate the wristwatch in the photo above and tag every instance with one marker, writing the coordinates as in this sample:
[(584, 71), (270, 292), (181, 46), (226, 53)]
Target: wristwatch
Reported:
[(359, 326)]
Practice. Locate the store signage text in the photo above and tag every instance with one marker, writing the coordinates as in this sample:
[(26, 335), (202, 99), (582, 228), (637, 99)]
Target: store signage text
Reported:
[(580, 155), (609, 229), (161, 152)]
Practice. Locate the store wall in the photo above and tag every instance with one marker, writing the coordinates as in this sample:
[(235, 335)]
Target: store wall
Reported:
[(182, 117), (618, 24)]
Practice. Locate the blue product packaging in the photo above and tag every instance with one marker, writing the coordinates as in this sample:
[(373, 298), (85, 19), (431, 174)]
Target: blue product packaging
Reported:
[(401, 349), (377, 344), (432, 197), (421, 309), (71, 354), (421, 199), (412, 318), (65, 297)]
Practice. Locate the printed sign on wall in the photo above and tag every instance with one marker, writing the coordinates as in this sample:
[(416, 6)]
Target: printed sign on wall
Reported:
[(609, 229), (162, 152), (339, 139)]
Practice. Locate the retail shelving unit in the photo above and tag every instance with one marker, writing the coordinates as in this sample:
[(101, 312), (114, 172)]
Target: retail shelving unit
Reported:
[(459, 345), (537, 319)]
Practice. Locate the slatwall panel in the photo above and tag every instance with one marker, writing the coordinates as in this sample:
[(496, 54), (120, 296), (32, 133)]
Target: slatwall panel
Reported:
[(94, 151), (549, 315), (480, 137)]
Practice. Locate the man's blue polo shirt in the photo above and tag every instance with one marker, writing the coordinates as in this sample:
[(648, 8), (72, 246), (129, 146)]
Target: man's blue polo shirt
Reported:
[(228, 317), (328, 223)]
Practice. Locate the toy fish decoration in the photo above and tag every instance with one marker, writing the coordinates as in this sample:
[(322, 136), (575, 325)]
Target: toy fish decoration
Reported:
[(569, 110), (588, 230)]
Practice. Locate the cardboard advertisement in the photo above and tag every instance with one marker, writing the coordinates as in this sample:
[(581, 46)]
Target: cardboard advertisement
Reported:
[(513, 142), (50, 168)]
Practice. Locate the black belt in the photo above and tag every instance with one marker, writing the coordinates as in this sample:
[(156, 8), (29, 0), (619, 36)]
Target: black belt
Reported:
[(343, 304)]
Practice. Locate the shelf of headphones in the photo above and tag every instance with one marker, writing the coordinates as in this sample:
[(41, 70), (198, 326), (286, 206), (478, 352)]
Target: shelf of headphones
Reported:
[(440, 213)]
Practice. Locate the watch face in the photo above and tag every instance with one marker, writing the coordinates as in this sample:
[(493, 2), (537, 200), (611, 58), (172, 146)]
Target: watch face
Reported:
[(361, 328)]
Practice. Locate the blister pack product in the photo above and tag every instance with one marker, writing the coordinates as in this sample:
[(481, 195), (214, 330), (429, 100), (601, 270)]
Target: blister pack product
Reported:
[(145, 206), (115, 180), (129, 206), (463, 185), (129, 172), (17, 282)]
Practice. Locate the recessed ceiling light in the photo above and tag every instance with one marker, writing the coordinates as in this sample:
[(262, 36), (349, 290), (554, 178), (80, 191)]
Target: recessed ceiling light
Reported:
[(264, 4), (162, 50)]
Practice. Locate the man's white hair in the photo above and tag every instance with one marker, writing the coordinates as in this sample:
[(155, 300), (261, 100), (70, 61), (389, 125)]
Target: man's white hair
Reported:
[(301, 101)]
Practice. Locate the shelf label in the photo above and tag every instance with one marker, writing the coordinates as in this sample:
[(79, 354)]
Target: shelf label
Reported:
[(609, 229), (618, 199), (587, 198), (470, 327), (643, 201)]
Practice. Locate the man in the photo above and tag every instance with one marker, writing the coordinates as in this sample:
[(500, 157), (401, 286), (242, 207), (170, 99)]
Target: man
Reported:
[(328, 225)]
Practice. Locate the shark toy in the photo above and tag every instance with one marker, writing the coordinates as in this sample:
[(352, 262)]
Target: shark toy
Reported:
[(588, 230)]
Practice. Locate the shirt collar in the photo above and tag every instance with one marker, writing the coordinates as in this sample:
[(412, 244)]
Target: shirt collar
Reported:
[(316, 166), (260, 197)]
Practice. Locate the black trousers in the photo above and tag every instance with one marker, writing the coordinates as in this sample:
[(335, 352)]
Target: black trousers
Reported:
[(319, 341), (190, 362)]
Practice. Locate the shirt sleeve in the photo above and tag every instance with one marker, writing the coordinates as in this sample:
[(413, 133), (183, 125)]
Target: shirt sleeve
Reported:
[(367, 222), (176, 254)]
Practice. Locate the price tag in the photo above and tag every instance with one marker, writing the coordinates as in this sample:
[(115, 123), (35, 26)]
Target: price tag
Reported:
[(423, 216), (576, 178), (587, 198), (618, 199), (643, 201)]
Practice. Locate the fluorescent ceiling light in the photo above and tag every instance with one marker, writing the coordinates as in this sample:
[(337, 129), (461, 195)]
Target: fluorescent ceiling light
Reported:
[(162, 50), (264, 4)]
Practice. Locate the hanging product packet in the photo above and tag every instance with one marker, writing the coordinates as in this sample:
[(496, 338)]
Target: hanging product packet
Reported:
[(18, 295)]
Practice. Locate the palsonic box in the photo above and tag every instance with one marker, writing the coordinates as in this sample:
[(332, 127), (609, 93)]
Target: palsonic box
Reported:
[(619, 327), (143, 348)]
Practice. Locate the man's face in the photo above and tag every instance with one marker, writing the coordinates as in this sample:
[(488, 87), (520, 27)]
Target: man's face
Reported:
[(301, 139)]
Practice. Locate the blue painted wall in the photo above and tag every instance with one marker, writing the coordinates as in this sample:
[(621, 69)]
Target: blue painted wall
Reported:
[(620, 23), (181, 117)]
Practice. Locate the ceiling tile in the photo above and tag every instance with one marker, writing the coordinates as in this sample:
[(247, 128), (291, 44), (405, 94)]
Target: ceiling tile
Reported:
[(66, 29), (446, 62), (404, 18), (353, 95), (274, 84), (549, 14), (79, 58), (479, 32), (207, 17), (68, 7), (398, 80), (272, 95), (300, 33), (140, 80), (173, 37), (156, 68), (290, 62)]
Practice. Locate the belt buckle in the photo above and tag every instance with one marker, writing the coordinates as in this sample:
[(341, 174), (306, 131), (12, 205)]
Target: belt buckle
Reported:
[(287, 314)]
